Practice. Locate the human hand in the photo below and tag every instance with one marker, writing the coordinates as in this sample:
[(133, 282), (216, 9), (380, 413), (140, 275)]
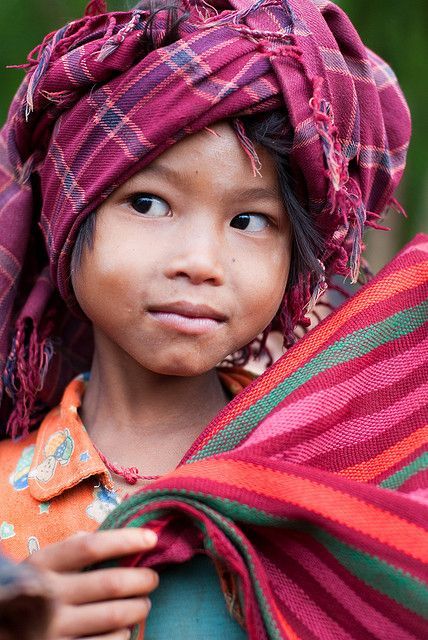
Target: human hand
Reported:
[(99, 604)]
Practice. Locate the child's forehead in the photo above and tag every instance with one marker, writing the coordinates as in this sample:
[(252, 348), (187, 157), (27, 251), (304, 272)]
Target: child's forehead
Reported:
[(216, 154)]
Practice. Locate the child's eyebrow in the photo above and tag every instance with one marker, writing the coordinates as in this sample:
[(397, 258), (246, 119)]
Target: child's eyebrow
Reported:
[(175, 175), (255, 193)]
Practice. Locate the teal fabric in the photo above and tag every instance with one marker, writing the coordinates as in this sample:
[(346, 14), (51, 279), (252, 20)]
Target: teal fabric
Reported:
[(189, 605)]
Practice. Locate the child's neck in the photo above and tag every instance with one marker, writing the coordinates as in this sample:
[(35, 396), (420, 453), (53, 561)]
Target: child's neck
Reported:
[(145, 420)]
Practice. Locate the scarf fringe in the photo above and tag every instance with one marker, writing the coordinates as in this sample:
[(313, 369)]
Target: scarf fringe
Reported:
[(248, 147), (114, 41), (231, 17), (344, 194), (320, 288), (95, 8), (44, 52), (24, 375)]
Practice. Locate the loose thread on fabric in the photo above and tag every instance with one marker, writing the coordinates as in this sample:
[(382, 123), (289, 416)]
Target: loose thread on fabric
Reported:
[(130, 474), (57, 97), (41, 68), (248, 147), (212, 132), (256, 34), (114, 41), (106, 40), (396, 206), (95, 8), (295, 299), (372, 217), (24, 173), (233, 17), (344, 194), (24, 374), (200, 8), (319, 289)]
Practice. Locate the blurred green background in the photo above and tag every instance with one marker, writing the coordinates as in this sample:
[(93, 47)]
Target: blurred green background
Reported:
[(397, 31)]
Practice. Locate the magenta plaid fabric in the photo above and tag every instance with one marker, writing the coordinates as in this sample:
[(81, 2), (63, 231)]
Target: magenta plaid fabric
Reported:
[(96, 106)]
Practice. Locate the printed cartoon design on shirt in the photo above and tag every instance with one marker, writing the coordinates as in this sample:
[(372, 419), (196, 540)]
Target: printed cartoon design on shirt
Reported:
[(58, 449), (33, 545), (104, 502), (7, 530), (44, 507), (19, 478)]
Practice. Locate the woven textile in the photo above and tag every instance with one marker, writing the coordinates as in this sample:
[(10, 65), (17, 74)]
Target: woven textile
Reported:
[(98, 103), (311, 487)]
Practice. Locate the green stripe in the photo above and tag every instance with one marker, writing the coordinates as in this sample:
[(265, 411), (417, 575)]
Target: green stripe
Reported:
[(399, 477), (398, 585), (352, 346), (230, 508)]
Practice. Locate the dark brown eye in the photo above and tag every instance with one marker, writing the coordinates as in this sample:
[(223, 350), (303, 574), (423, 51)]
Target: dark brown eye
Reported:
[(149, 205), (252, 222)]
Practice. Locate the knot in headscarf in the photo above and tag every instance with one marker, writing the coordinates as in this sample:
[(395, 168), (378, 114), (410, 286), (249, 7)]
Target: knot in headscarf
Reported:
[(99, 103)]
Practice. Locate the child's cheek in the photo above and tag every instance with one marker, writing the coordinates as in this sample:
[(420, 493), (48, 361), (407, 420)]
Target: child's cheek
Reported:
[(263, 275), (268, 270)]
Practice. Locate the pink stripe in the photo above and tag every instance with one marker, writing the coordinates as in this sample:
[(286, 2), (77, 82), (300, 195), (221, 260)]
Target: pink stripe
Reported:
[(349, 433), (319, 404), (367, 616), (420, 495), (304, 608), (420, 246)]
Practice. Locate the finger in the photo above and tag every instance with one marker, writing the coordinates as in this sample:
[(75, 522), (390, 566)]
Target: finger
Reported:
[(104, 584), (82, 550), (102, 617)]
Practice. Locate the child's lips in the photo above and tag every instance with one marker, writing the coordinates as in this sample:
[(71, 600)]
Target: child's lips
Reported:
[(187, 317)]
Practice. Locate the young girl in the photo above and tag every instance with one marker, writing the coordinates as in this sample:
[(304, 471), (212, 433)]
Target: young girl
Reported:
[(176, 182)]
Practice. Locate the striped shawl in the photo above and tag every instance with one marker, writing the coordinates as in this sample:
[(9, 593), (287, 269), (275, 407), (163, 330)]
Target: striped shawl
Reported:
[(310, 489)]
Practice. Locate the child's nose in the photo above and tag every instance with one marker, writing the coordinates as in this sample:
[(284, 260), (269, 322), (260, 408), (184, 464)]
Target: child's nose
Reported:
[(199, 258)]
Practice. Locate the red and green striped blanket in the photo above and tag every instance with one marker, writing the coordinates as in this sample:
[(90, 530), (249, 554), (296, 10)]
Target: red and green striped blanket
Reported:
[(310, 489)]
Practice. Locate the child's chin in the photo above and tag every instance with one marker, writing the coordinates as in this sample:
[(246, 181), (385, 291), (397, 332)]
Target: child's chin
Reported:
[(185, 368)]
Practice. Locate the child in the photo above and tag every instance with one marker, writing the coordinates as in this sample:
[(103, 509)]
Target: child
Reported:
[(177, 181)]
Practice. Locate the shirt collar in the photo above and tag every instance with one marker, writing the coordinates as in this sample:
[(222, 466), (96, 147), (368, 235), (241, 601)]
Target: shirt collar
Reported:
[(64, 454)]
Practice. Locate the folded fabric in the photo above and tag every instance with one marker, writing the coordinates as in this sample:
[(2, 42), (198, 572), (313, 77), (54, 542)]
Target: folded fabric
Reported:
[(310, 489)]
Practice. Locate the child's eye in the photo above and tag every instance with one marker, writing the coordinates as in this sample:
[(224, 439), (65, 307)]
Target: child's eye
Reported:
[(149, 205), (250, 222)]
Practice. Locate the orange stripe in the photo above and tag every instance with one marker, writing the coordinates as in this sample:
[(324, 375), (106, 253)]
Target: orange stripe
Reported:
[(396, 282), (291, 634), (371, 468), (330, 503)]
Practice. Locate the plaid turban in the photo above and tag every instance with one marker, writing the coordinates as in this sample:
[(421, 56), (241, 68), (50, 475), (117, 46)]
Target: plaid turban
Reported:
[(98, 104)]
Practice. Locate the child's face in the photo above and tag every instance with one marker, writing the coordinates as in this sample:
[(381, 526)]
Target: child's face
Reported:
[(190, 259)]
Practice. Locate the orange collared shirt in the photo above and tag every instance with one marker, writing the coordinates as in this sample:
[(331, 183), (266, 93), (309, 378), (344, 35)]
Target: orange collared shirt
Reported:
[(53, 483)]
